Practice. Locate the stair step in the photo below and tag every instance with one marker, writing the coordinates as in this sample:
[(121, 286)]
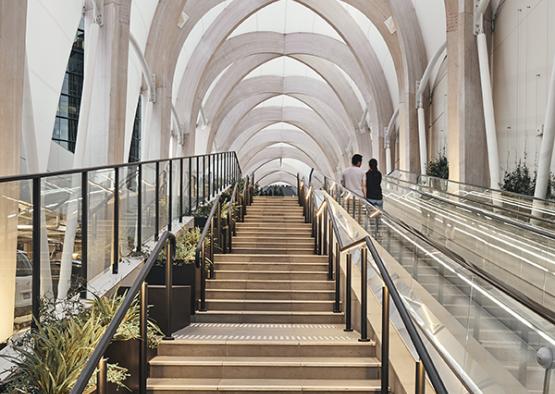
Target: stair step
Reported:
[(269, 226), (270, 305), (276, 239), (238, 284), (237, 316), (273, 219), (267, 367), (264, 294), (267, 386), (253, 257), (283, 275), (270, 266), (275, 250), (309, 243)]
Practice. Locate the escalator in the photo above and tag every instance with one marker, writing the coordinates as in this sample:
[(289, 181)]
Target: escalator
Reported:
[(495, 327)]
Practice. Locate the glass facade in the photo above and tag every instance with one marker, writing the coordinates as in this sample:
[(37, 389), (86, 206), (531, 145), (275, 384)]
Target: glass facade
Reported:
[(67, 117)]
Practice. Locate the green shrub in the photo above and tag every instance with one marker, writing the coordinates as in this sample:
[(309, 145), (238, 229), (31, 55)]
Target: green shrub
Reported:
[(438, 167)]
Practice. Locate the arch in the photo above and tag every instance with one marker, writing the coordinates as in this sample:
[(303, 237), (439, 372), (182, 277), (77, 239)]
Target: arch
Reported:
[(294, 137), (278, 152), (277, 176), (188, 97), (302, 118), (279, 164)]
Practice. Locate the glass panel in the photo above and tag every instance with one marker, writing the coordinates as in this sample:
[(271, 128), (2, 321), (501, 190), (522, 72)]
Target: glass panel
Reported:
[(176, 192), (149, 200), (15, 256), (194, 180), (186, 187), (101, 225), (164, 177), (61, 227), (128, 208)]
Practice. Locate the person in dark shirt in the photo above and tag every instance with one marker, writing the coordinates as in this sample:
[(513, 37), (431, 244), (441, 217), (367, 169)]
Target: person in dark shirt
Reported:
[(374, 184)]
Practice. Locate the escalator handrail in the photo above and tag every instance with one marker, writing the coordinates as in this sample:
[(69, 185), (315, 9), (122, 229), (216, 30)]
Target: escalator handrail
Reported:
[(517, 295), (416, 340), (519, 195), (492, 215)]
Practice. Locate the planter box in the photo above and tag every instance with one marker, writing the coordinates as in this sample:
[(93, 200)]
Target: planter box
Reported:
[(200, 222), (183, 275), (181, 311), (126, 354)]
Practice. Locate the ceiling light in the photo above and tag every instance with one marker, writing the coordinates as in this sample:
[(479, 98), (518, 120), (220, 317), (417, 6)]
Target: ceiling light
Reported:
[(390, 24), (183, 18)]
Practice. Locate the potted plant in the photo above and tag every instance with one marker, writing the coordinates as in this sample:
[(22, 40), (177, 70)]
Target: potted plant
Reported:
[(124, 350), (50, 358), (201, 214), (439, 168)]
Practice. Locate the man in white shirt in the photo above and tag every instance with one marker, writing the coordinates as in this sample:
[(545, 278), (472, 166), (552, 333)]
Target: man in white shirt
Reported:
[(354, 177)]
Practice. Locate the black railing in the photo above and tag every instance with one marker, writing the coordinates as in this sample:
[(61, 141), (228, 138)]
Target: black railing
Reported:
[(325, 230), (228, 171), (97, 360)]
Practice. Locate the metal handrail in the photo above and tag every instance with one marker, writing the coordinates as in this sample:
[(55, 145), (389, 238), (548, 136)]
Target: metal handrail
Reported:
[(427, 363), (510, 291), (522, 196), (138, 284), (492, 215)]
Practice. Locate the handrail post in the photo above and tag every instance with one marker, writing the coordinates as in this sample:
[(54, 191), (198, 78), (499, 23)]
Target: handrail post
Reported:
[(197, 182), (420, 379), (181, 190), (143, 343), (364, 295), (385, 340), (140, 208), (209, 173), (203, 178), (316, 234), (202, 279), (230, 208), (102, 376), (169, 285), (211, 239), (157, 201), (35, 285), (348, 319), (330, 251), (85, 232), (170, 199), (190, 185), (336, 305), (115, 236), (325, 231)]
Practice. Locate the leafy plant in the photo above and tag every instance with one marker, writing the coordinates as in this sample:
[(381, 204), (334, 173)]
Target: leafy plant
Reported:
[(438, 167), (49, 359), (203, 210), (187, 242), (104, 308), (519, 180)]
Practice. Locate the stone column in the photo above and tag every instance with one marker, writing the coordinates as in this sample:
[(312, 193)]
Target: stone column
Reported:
[(13, 22), (466, 138)]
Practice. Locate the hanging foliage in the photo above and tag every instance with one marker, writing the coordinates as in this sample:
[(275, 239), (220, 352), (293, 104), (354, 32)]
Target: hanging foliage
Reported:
[(439, 167)]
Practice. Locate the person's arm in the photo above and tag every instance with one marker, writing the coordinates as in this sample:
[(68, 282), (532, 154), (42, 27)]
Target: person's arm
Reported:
[(363, 185)]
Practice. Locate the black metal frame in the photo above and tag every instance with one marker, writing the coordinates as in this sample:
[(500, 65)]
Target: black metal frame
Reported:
[(426, 364), (117, 183)]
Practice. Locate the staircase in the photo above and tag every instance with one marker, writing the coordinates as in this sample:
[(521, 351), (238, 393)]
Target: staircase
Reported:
[(269, 325)]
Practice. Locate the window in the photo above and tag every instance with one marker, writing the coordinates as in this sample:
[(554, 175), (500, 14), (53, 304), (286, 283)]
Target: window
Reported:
[(67, 117), (135, 149)]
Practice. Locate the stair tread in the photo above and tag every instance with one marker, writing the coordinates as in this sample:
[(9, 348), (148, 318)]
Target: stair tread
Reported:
[(243, 301), (271, 291), (269, 280), (267, 361), (282, 313), (269, 272), (273, 384)]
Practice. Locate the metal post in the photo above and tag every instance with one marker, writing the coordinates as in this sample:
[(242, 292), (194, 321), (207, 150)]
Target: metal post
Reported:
[(330, 251), (212, 247), (169, 285), (202, 279), (325, 231), (197, 181), (364, 295), (420, 380), (35, 284), (190, 185), (316, 234), (337, 305), (348, 320), (181, 190), (115, 241), (102, 376), (157, 201), (170, 199), (203, 178), (140, 208), (84, 232), (143, 343), (209, 159), (385, 340)]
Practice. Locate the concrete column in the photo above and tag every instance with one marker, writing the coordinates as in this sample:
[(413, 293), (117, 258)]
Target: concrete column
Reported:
[(13, 22), (466, 138)]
